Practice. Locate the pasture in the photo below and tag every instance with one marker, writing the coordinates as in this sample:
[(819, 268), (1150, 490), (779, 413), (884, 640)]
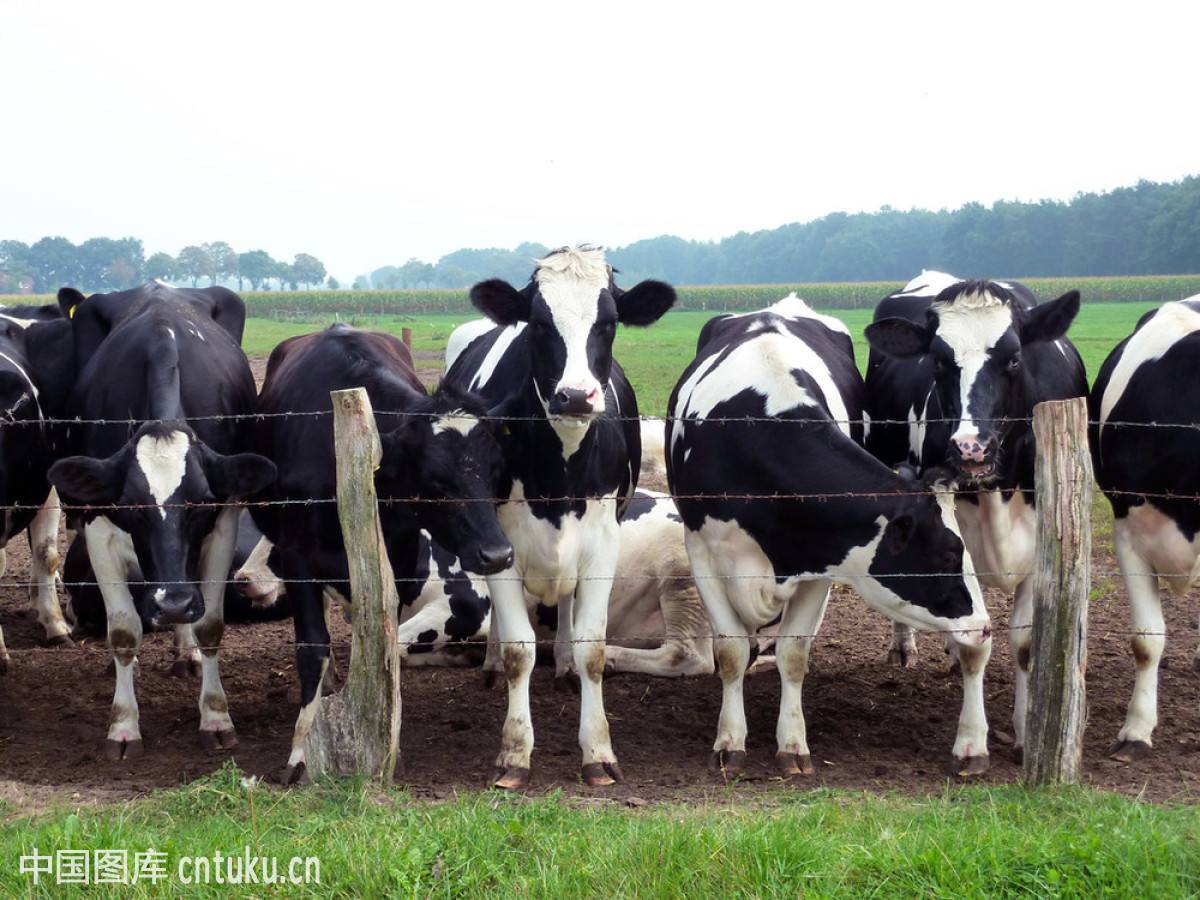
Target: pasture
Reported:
[(879, 816)]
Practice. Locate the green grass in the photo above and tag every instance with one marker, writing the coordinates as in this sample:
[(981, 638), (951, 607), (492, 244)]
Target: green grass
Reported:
[(968, 842)]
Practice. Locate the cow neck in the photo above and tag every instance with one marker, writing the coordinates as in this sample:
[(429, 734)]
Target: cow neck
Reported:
[(162, 378)]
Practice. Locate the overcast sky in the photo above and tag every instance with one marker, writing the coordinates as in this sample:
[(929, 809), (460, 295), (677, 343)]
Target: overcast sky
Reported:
[(366, 135)]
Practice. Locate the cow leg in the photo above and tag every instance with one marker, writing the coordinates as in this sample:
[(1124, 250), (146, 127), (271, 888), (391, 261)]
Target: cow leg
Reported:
[(1149, 637), (564, 647), (4, 657), (903, 651), (515, 641), (43, 552), (970, 743), (312, 659), (110, 551), (1020, 639), (216, 558), (801, 621), (687, 648), (492, 663), (590, 626), (187, 653)]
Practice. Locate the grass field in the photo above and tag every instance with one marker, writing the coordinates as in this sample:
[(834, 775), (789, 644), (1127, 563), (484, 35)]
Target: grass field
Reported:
[(968, 842)]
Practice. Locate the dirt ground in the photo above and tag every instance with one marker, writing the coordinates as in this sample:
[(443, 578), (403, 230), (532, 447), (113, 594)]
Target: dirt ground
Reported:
[(871, 726)]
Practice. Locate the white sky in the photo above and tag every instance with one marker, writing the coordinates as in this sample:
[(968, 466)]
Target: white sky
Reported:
[(366, 133)]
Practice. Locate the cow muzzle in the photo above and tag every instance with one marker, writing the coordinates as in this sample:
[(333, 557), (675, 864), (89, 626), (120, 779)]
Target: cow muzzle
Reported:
[(175, 606), (578, 402), (974, 457), (493, 558)]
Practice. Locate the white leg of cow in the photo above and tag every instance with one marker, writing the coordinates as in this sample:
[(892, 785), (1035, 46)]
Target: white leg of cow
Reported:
[(216, 556), (1020, 638), (687, 647), (801, 621), (515, 638), (44, 565), (492, 663), (903, 651), (970, 743), (590, 620), (110, 551), (564, 646), (304, 723), (1149, 637), (187, 653)]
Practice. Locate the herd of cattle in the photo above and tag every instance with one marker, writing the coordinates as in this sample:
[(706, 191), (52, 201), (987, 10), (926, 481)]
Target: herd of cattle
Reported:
[(509, 496)]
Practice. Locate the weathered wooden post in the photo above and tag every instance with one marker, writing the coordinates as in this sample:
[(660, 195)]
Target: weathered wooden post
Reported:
[(1054, 720), (357, 731), (406, 337)]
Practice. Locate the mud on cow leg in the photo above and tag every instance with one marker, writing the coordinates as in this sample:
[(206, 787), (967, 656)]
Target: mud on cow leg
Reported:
[(799, 626), (44, 568), (187, 662), (515, 640), (970, 744), (903, 649), (1135, 739), (216, 559)]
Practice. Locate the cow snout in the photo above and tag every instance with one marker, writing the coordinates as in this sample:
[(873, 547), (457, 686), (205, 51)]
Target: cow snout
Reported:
[(574, 401), (495, 558), (177, 607), (971, 452), (259, 591)]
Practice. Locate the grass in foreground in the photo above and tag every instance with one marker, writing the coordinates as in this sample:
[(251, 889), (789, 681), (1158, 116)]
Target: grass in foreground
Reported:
[(971, 842)]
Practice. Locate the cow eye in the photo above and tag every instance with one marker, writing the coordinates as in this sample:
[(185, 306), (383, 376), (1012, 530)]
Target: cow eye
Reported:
[(1014, 362)]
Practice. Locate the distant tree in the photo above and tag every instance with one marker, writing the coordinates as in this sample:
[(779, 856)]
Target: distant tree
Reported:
[(415, 274), (308, 270), (16, 270), (162, 267), (256, 266), (285, 273), (224, 262), (333, 284), (361, 283), (385, 278), (195, 263), (54, 263)]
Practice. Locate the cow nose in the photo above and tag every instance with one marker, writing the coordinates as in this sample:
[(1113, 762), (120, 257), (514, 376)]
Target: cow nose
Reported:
[(177, 607), (495, 558), (574, 402), (971, 449)]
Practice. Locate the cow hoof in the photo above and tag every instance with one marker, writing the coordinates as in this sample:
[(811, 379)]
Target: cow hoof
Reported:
[(567, 683), (972, 765), (601, 774), (514, 778), (60, 640), (122, 750), (793, 764), (216, 741), (185, 668), (728, 763), (294, 775), (1129, 751), (901, 659)]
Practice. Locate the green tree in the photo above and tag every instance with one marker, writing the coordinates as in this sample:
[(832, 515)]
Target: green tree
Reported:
[(308, 270), (55, 264), (332, 283), (224, 262), (194, 263), (256, 266), (161, 267)]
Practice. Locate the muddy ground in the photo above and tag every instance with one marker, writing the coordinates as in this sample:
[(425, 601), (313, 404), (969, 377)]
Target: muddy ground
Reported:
[(871, 726)]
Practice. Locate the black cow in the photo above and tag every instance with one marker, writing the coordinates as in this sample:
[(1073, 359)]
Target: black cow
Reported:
[(571, 456), (162, 495), (1150, 380), (963, 363), (36, 372), (772, 405), (436, 450)]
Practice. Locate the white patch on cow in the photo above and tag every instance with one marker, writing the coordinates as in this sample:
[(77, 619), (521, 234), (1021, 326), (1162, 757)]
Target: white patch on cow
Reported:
[(764, 365), (929, 283), (1000, 535), (163, 461), (492, 358), (160, 595), (866, 418), (260, 585), (29, 381), (972, 325), (457, 420), (170, 332), (462, 336), (570, 283), (1170, 324), (20, 323)]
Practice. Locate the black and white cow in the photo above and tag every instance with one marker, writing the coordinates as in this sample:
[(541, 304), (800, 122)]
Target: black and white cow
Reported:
[(438, 472), (962, 364), (162, 495), (572, 451), (1151, 379), (36, 372), (841, 516)]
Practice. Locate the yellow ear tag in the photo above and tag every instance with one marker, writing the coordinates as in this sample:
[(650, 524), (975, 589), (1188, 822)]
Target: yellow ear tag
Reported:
[(378, 466), (71, 311)]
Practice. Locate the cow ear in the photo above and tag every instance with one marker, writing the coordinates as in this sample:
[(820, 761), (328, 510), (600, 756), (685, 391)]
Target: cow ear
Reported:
[(68, 299), (1050, 321), (899, 532), (238, 475), (644, 303), (899, 338), (501, 302), (84, 481), (402, 445)]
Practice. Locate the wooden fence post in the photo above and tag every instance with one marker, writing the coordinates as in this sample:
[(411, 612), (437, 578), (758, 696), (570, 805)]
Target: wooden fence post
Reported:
[(406, 337), (1061, 580), (357, 731)]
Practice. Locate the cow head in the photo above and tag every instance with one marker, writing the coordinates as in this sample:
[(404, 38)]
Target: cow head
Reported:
[(974, 332), (163, 489), (572, 306), (442, 465)]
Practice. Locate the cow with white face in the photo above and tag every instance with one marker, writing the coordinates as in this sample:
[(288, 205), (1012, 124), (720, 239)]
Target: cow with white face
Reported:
[(956, 368), (162, 497), (571, 456), (769, 529), (1143, 409)]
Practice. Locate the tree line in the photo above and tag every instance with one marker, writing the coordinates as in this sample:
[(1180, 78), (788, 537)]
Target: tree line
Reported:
[(1147, 229), (104, 264)]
